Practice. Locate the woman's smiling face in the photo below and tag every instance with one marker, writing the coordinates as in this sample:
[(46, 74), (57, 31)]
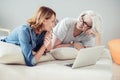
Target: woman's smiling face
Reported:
[(84, 23)]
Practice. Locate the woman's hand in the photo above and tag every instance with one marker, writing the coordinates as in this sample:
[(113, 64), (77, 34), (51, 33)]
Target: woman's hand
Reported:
[(47, 39), (92, 31), (78, 45), (96, 34), (45, 45)]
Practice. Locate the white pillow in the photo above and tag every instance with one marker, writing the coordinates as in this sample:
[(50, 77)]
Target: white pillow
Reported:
[(10, 53), (64, 53)]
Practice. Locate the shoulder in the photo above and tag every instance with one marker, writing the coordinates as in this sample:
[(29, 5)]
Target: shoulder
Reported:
[(68, 20), (66, 23), (23, 29)]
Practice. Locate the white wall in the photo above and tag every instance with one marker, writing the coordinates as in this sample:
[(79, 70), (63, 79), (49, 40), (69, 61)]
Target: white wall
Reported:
[(15, 12)]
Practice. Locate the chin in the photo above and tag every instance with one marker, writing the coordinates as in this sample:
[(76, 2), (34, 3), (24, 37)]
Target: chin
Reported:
[(79, 28), (48, 30)]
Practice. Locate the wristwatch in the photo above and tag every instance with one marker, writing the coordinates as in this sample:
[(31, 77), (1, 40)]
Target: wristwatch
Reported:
[(72, 44)]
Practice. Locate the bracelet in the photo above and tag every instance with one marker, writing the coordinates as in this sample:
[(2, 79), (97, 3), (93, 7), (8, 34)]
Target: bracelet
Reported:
[(84, 46)]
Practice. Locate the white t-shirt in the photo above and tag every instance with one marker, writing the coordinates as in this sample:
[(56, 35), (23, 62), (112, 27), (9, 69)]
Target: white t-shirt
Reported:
[(64, 32)]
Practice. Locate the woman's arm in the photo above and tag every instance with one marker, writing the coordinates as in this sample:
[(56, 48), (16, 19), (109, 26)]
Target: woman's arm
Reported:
[(49, 47), (42, 49), (39, 53), (98, 39), (96, 34), (57, 43)]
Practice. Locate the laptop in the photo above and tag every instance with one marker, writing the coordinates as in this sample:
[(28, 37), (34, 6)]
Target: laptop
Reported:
[(87, 56)]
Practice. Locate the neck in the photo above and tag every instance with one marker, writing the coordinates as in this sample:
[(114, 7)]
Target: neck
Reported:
[(76, 32)]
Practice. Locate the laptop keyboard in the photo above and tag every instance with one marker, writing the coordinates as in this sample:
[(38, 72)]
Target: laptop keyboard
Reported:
[(70, 65)]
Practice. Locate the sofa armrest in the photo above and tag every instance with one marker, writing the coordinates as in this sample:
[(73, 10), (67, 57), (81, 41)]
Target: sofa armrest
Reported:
[(4, 32)]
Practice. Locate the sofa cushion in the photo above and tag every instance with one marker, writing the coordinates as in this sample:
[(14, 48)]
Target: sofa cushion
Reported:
[(64, 53), (114, 46), (10, 53)]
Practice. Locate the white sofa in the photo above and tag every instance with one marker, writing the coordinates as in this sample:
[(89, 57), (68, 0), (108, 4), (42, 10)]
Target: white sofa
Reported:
[(55, 70)]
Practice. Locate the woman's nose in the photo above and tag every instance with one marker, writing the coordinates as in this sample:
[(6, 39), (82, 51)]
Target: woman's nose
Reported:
[(83, 28)]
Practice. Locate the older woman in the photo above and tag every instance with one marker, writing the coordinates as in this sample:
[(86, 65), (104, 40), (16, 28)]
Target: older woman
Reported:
[(78, 33)]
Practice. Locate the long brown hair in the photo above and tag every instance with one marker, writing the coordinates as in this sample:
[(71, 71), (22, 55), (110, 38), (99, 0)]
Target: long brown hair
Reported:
[(43, 13)]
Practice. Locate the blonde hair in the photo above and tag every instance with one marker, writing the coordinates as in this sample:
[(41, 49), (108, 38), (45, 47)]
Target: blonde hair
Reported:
[(97, 22), (43, 13)]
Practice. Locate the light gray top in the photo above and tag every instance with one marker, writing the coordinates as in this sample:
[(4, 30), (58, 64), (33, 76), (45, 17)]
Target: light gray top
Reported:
[(64, 32)]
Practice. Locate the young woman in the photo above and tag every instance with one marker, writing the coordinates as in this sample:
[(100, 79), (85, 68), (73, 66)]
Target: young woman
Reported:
[(34, 36), (78, 33)]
